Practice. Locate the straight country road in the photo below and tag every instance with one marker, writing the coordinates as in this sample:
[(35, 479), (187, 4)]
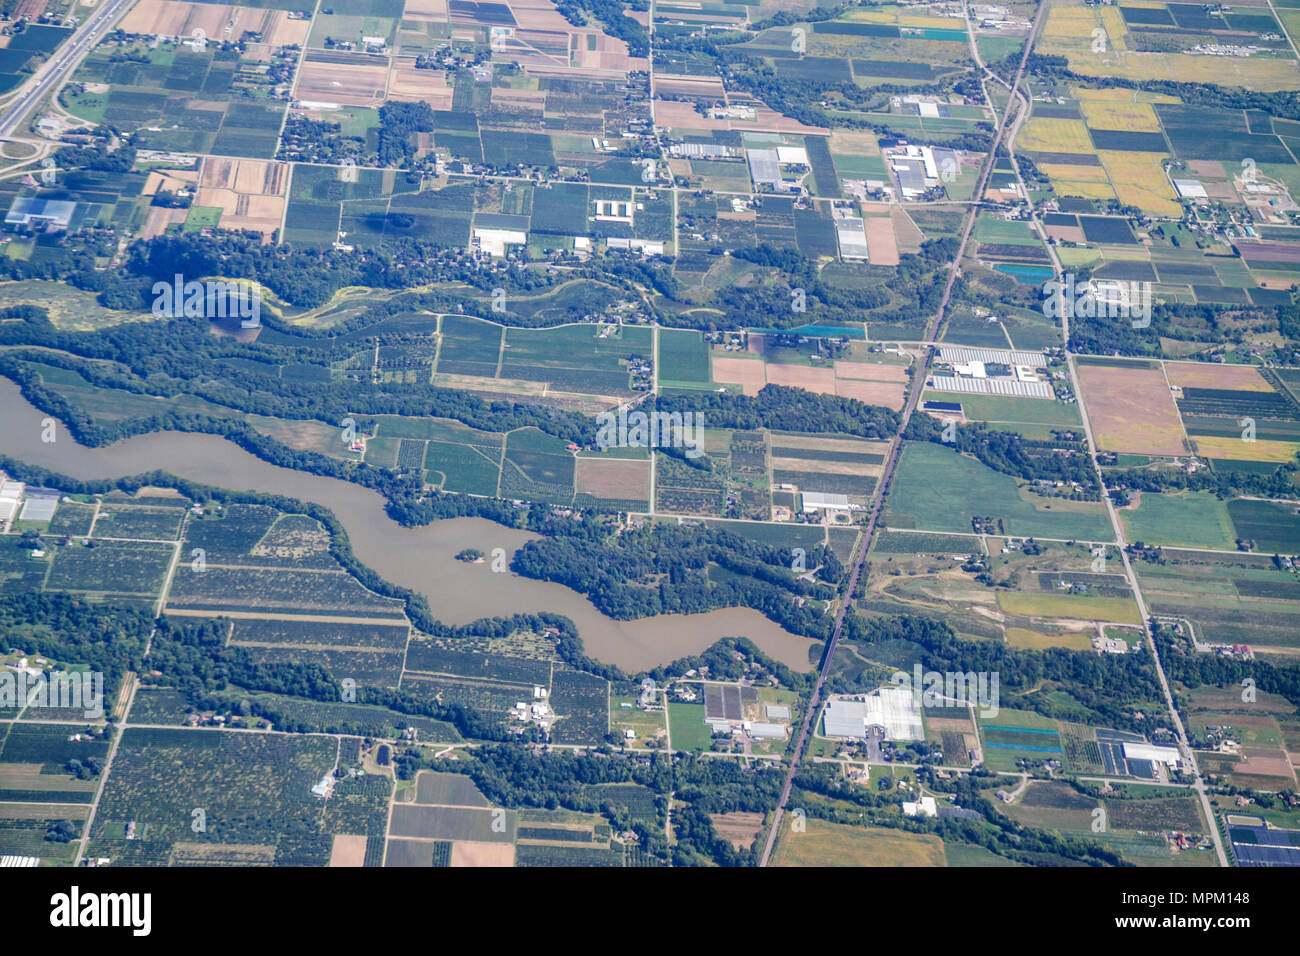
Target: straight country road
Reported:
[(931, 331)]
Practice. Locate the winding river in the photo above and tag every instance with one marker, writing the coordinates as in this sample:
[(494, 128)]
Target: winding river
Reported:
[(421, 559)]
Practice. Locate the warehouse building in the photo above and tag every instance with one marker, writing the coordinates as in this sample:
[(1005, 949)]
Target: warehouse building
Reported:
[(26, 211), (817, 501)]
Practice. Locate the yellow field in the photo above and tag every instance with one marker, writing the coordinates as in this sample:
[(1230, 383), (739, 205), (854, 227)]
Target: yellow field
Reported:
[(854, 142), (1055, 136), (1126, 115), (932, 23), (1234, 449), (1139, 180), (838, 844), (1084, 190), (894, 14), (1068, 23), (1077, 258), (1115, 94), (1146, 96), (1076, 606), (1070, 30), (1028, 640), (1078, 174), (1260, 73), (1118, 94), (1116, 30)]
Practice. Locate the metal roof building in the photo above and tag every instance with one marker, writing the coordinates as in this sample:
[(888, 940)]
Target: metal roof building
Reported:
[(991, 386), (763, 167), (39, 508), (1152, 752), (817, 501), (911, 177), (852, 236), (845, 718), (27, 211), (992, 356)]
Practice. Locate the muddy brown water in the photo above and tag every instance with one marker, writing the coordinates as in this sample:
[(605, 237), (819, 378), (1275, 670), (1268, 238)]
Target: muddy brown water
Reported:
[(421, 559)]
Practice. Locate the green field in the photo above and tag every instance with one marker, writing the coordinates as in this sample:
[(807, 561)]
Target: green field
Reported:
[(936, 489), (1273, 526), (1190, 520), (537, 467), (1082, 607), (686, 727), (997, 408), (683, 357), (1228, 598)]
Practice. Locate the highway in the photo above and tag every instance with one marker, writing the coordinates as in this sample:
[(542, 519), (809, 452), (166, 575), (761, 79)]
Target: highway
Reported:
[(828, 654), (55, 70)]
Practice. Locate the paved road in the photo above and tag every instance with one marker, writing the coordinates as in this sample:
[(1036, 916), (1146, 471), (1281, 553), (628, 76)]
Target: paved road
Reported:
[(1184, 744), (828, 654), (55, 70)]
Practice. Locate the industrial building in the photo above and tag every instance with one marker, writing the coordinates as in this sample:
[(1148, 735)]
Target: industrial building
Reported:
[(494, 241), (764, 167), (925, 807), (703, 151), (817, 501), (895, 709), (845, 718), (26, 211), (1154, 753), (11, 496), (851, 233), (40, 504)]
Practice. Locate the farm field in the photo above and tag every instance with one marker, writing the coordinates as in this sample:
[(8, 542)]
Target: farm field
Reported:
[(1049, 599), (776, 360), (687, 727), (234, 780), (1135, 828), (1229, 598), (936, 489), (754, 473), (837, 844), (1001, 410), (1131, 410), (472, 231), (285, 596), (1188, 520)]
